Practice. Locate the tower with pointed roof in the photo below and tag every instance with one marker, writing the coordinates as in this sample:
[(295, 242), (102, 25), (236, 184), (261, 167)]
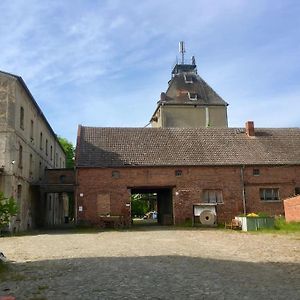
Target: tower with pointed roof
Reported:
[(189, 101)]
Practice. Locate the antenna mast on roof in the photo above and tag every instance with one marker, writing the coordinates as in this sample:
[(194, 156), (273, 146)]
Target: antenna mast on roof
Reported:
[(193, 60), (182, 51)]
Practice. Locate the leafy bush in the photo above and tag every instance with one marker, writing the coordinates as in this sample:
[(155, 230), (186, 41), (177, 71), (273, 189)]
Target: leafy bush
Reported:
[(8, 208)]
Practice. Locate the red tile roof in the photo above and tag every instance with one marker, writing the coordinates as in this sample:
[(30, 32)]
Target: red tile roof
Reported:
[(117, 147)]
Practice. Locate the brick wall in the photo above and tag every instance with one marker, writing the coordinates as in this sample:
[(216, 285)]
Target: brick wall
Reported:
[(292, 209), (187, 189), (58, 176)]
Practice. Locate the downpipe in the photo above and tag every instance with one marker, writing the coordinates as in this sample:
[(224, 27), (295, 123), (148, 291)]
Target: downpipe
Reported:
[(243, 190)]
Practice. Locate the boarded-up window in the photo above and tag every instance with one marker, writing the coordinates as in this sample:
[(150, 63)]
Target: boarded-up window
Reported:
[(212, 196), (103, 204)]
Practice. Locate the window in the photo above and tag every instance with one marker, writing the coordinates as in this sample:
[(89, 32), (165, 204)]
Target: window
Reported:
[(188, 78), (212, 196), (193, 96), (40, 170), (19, 199), (46, 147), (31, 130), (269, 194), (41, 141), (60, 162), (20, 157), (30, 164), (51, 152), (19, 193), (256, 172), (178, 173), (297, 190), (115, 174), (56, 159), (22, 117)]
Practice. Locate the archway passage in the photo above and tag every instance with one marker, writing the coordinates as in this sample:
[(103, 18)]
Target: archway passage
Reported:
[(56, 206), (155, 206)]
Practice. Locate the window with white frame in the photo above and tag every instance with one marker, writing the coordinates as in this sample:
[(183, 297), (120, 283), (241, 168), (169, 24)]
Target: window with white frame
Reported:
[(269, 194), (212, 196), (188, 78), (256, 172)]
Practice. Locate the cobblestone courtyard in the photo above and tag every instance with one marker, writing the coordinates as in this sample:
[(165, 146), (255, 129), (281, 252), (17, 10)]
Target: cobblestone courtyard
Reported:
[(153, 263)]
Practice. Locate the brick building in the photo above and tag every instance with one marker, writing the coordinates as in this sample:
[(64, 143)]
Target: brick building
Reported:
[(237, 170)]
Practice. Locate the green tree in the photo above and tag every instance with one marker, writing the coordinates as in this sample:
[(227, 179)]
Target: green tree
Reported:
[(8, 208), (142, 203), (70, 151)]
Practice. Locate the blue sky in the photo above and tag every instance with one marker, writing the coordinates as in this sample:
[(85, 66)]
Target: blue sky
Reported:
[(105, 63)]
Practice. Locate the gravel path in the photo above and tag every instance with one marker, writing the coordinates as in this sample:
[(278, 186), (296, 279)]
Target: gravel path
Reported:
[(153, 263)]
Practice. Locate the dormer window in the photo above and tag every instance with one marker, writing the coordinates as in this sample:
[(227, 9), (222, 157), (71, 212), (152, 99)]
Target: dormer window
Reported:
[(193, 96), (188, 78)]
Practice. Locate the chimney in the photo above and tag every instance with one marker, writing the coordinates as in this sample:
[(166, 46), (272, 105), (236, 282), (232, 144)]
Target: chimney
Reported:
[(163, 96), (250, 128)]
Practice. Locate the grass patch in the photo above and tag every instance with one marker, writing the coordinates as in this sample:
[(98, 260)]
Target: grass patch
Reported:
[(282, 225)]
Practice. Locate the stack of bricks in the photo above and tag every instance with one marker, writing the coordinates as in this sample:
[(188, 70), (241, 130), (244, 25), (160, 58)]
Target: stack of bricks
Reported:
[(292, 209)]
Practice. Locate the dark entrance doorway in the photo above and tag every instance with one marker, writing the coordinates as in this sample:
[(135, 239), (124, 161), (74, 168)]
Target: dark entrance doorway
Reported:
[(160, 203), (56, 204)]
